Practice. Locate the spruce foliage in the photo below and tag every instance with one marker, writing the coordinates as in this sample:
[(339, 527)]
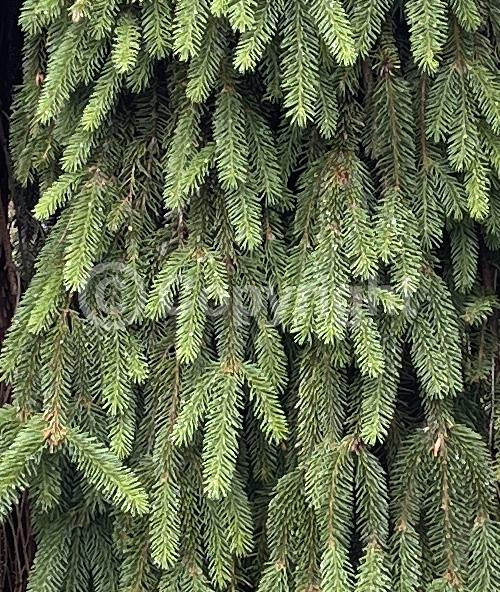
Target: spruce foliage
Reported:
[(260, 348)]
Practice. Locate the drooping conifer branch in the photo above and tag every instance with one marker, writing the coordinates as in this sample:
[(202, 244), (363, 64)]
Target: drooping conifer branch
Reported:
[(260, 348)]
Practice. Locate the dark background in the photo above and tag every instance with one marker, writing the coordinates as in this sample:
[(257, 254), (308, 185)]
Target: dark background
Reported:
[(10, 57), (16, 544)]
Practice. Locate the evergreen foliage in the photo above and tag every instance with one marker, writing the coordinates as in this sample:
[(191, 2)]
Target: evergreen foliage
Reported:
[(260, 349)]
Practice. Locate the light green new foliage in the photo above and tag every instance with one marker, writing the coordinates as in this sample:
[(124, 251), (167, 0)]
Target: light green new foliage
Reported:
[(252, 43), (428, 31), (126, 45), (19, 460), (189, 25), (300, 63), (260, 347)]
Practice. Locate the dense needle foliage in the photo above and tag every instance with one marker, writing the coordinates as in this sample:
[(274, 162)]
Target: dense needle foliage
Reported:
[(260, 350)]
